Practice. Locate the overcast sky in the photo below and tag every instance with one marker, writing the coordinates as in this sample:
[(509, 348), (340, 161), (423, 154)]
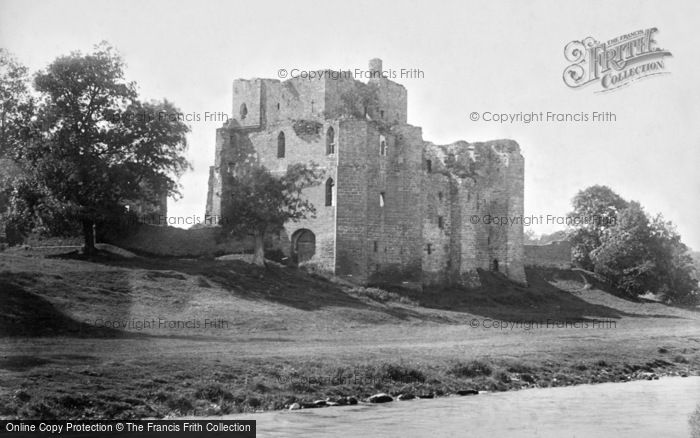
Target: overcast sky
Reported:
[(496, 56)]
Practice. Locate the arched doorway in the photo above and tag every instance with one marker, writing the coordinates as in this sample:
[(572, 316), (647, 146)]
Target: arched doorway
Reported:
[(494, 265), (303, 245)]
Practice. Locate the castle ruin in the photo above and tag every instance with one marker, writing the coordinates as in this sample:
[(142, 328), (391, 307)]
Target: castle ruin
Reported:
[(391, 205)]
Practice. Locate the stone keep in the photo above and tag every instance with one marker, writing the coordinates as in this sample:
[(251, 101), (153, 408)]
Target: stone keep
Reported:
[(391, 206)]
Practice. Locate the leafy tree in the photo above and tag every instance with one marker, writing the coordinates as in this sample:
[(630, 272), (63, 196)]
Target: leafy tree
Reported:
[(260, 203), (625, 255), (640, 255), (16, 106), (677, 270), (16, 103), (95, 146), (595, 210)]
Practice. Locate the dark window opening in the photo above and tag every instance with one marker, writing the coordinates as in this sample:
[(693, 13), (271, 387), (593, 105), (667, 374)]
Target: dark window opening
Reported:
[(329, 192), (381, 114), (429, 165), (281, 145), (429, 249), (440, 196), (382, 145), (278, 106), (381, 199), (441, 224), (243, 111), (330, 141), (376, 246), (494, 265)]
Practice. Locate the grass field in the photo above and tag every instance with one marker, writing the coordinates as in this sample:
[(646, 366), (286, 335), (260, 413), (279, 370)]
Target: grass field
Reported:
[(228, 337)]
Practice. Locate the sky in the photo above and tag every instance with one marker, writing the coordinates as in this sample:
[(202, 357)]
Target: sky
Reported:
[(483, 57)]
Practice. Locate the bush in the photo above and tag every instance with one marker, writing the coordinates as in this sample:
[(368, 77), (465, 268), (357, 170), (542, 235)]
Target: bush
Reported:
[(213, 393), (402, 374), (381, 296), (471, 369)]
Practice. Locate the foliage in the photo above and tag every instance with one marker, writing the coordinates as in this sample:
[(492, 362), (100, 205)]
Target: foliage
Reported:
[(595, 210), (260, 202), (92, 146), (640, 255), (16, 103), (381, 295), (307, 129)]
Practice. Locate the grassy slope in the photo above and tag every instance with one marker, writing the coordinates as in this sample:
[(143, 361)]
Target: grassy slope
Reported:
[(292, 337)]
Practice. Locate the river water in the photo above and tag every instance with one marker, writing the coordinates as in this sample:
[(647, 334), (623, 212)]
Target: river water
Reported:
[(658, 408)]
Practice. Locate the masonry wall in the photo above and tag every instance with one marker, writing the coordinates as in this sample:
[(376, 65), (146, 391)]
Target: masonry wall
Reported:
[(177, 242), (392, 101), (395, 225), (304, 149), (553, 255), (351, 226), (438, 202), (472, 187), (250, 93)]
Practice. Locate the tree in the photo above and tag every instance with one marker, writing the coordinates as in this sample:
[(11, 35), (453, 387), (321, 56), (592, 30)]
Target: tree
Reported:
[(595, 210), (16, 104), (677, 271), (624, 255), (95, 146), (639, 255), (260, 202)]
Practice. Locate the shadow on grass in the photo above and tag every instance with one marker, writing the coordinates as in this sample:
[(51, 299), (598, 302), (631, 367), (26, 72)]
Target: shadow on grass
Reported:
[(500, 298), (286, 286), (27, 314)]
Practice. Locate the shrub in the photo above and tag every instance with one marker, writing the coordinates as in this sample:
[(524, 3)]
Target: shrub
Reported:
[(213, 393), (471, 369)]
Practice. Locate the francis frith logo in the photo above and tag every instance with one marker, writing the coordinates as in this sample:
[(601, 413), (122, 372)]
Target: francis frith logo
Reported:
[(615, 63)]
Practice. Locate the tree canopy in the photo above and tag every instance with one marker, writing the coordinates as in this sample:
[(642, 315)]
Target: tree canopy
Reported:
[(91, 146), (637, 253), (260, 203)]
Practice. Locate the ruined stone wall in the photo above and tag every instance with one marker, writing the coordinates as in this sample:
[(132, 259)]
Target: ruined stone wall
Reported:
[(392, 101), (375, 241), (393, 186), (553, 255), (515, 183), (351, 225), (177, 242), (467, 186), (248, 92), (433, 225), (304, 149), (438, 220)]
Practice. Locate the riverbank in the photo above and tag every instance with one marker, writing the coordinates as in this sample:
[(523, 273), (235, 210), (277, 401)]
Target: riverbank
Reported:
[(253, 340)]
